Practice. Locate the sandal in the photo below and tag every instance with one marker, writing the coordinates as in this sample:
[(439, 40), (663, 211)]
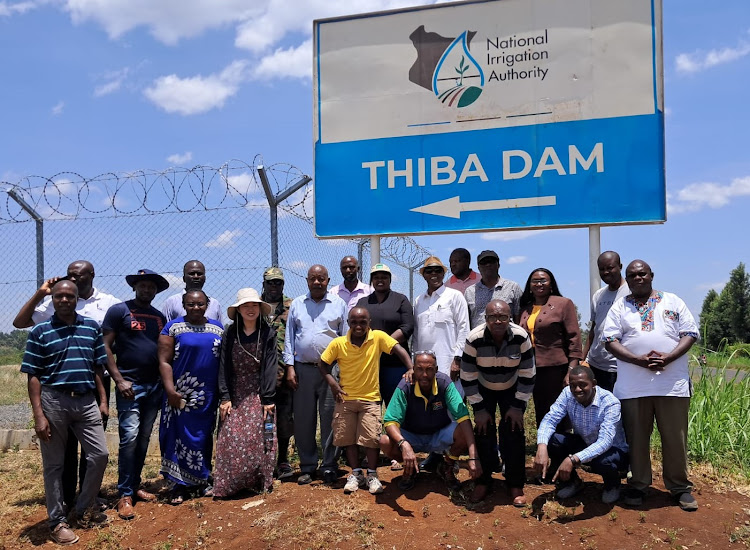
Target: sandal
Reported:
[(176, 497), (396, 466)]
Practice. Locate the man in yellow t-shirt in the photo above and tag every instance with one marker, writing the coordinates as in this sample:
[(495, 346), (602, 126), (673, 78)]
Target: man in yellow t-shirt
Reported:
[(356, 418)]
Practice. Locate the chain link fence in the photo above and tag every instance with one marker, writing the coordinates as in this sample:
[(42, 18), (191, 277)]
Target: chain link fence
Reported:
[(236, 218)]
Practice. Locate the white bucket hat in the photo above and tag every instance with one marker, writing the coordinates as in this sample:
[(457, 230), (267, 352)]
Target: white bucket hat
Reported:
[(244, 296)]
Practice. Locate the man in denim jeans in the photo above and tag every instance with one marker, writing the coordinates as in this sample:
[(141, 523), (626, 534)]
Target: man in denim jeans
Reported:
[(133, 328), (63, 360)]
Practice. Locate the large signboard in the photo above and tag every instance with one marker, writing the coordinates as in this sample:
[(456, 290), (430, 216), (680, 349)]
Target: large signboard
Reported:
[(500, 114)]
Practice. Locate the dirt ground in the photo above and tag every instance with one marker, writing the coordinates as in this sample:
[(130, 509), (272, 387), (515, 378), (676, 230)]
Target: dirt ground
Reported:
[(318, 517)]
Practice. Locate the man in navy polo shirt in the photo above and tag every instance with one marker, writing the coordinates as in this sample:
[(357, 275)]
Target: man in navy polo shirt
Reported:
[(417, 420), (64, 358), (133, 327)]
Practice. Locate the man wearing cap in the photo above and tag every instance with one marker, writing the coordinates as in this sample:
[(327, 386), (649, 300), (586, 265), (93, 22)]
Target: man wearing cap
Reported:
[(194, 275), (351, 290), (92, 303), (491, 287), (133, 328), (462, 275), (273, 294)]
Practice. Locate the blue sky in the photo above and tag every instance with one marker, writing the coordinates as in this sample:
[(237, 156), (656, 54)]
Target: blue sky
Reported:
[(115, 85)]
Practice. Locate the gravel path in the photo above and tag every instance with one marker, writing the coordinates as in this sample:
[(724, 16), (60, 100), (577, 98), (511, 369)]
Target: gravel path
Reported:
[(18, 417)]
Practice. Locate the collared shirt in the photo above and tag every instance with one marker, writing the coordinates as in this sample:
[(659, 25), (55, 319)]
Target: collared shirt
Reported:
[(311, 326), (462, 284), (441, 325), (601, 303), (498, 368), (425, 414), (359, 366), (172, 308), (394, 313), (351, 298), (95, 307), (599, 424), (658, 325), (479, 295), (64, 356)]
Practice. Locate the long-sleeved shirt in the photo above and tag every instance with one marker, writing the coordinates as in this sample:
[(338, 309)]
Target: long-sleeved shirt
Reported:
[(599, 424), (441, 325), (498, 368), (311, 326)]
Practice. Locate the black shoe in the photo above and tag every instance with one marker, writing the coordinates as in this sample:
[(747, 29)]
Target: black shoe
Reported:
[(687, 502), (633, 497), (430, 463), (304, 479), (330, 477)]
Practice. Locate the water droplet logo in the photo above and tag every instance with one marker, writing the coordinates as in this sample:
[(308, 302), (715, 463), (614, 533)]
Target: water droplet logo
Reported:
[(445, 66)]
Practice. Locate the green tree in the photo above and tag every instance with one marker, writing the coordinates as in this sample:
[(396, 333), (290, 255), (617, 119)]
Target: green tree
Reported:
[(711, 331), (727, 315)]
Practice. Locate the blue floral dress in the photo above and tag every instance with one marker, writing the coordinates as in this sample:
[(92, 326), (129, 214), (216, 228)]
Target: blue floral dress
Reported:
[(186, 435)]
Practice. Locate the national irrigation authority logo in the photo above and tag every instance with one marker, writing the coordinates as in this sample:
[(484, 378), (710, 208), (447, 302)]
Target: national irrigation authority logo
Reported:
[(446, 67)]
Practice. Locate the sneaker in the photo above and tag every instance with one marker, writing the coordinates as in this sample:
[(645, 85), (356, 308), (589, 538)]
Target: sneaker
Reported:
[(330, 477), (353, 482), (687, 502), (63, 535), (304, 479), (374, 485), (285, 471), (87, 519), (611, 495), (570, 489), (633, 497)]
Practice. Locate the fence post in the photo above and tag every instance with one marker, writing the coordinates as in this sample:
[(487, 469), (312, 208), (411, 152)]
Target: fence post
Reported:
[(39, 221), (273, 205)]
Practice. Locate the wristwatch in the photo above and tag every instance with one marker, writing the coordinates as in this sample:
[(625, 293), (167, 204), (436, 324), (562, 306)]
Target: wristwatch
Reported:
[(401, 443)]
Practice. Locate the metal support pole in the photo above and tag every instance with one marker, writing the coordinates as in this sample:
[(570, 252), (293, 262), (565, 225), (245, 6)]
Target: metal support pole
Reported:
[(411, 284), (273, 205), (374, 250), (39, 221), (594, 251), (360, 255)]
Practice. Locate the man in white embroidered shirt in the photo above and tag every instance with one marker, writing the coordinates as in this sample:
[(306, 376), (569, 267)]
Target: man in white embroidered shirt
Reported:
[(597, 438), (650, 333)]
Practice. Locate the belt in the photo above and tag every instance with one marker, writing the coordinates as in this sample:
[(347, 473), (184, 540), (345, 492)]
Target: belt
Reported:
[(71, 393)]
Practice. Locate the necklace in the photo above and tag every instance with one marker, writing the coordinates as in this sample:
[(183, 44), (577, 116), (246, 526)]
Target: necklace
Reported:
[(257, 344)]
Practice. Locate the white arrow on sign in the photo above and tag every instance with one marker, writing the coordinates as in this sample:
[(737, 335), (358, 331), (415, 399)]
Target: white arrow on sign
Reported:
[(452, 208)]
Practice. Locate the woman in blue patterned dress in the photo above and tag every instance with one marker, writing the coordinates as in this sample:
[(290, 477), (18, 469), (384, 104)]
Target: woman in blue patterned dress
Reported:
[(189, 349)]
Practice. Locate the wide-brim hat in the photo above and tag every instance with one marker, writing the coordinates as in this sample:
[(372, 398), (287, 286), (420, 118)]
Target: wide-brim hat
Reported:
[(147, 275), (432, 261), (247, 295)]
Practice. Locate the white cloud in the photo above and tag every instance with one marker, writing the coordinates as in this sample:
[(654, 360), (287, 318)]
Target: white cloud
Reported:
[(516, 260), (697, 196), (705, 287), (298, 264), (112, 82), (292, 62), (178, 159), (243, 183), (58, 108), (17, 8), (225, 240), (336, 242), (700, 60), (511, 235), (197, 94)]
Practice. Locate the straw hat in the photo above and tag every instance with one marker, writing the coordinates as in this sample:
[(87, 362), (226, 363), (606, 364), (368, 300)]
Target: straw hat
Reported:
[(247, 295), (432, 261)]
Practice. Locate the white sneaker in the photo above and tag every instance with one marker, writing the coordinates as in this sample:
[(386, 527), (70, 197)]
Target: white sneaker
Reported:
[(353, 482), (374, 485), (610, 496)]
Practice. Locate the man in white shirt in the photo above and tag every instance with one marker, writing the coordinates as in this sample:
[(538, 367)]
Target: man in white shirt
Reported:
[(194, 275), (597, 357), (351, 289), (91, 303), (650, 333)]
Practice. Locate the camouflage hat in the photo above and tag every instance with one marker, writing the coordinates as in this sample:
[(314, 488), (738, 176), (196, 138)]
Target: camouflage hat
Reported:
[(273, 273)]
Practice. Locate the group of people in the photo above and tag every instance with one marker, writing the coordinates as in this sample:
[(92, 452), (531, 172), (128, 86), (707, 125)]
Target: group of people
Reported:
[(340, 357)]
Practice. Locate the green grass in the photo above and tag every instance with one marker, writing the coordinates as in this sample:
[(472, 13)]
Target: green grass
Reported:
[(12, 385), (10, 356)]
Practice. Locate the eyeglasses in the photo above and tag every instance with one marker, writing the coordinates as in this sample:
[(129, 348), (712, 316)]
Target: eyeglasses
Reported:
[(275, 282), (539, 282), (434, 269), (425, 352), (495, 318)]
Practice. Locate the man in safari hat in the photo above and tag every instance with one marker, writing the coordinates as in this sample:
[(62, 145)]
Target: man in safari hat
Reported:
[(133, 327)]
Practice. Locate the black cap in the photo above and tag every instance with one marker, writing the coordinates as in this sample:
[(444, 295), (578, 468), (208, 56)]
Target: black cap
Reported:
[(487, 254)]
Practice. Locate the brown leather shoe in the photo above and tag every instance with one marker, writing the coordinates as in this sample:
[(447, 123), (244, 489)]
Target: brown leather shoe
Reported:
[(519, 499), (63, 535), (125, 508), (145, 496)]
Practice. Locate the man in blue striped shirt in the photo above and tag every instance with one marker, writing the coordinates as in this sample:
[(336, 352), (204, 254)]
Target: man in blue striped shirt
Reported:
[(598, 437), (63, 360), (497, 370)]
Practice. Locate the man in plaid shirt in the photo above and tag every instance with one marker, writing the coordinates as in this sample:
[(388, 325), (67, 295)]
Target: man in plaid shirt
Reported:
[(597, 439)]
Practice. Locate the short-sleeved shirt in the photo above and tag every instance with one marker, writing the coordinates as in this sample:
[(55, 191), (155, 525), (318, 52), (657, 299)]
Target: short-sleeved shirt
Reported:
[(601, 303), (136, 334), (479, 295), (462, 284), (657, 325), (63, 356), (394, 313), (95, 307), (425, 414), (359, 366), (351, 298), (172, 308)]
